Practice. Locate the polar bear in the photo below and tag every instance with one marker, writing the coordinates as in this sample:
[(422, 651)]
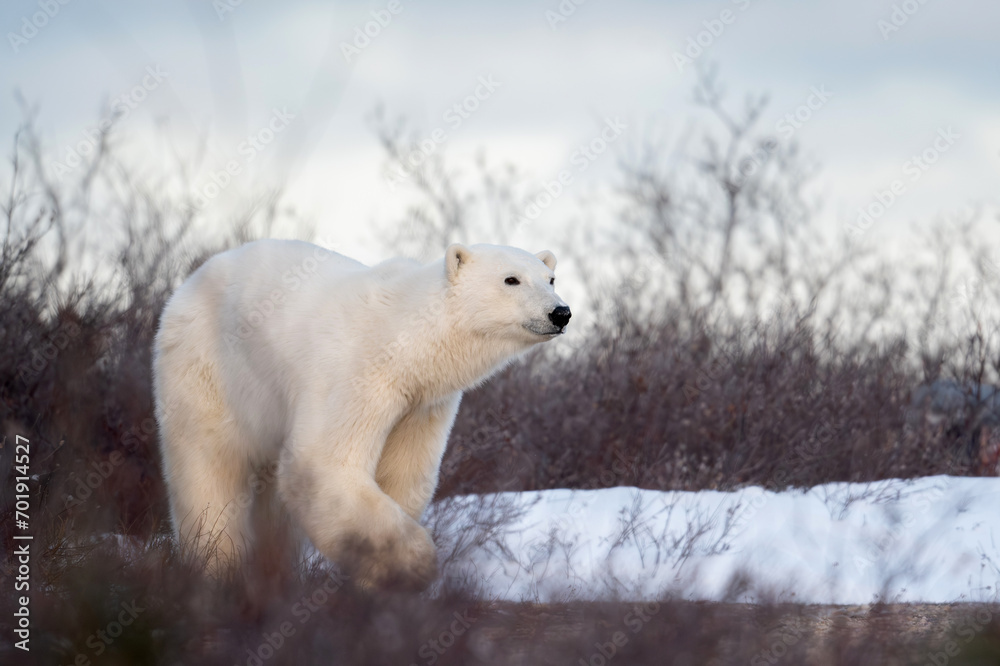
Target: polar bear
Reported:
[(345, 378)]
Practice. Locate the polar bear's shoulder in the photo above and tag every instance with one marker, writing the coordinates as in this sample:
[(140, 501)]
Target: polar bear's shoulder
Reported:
[(392, 270), (395, 266), (290, 249), (271, 256), (402, 280)]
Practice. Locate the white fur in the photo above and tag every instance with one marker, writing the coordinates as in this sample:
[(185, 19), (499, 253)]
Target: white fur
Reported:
[(347, 377)]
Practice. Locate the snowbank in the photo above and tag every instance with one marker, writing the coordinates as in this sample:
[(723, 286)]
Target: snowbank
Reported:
[(934, 539)]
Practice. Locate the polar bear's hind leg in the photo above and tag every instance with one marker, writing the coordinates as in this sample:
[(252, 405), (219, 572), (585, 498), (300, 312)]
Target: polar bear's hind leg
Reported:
[(205, 462)]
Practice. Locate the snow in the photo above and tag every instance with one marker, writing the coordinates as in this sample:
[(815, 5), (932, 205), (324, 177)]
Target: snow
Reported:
[(933, 539)]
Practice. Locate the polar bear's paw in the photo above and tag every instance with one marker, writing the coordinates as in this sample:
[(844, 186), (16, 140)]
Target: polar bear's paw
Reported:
[(408, 562)]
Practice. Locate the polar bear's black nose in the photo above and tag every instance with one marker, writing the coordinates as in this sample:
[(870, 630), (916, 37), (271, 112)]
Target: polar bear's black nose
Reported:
[(560, 316)]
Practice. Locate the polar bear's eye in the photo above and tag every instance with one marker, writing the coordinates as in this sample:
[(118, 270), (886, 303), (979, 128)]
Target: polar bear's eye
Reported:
[(512, 281), (552, 280)]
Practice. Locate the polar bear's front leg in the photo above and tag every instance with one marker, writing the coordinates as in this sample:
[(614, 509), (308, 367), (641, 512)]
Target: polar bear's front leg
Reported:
[(411, 459), (335, 499)]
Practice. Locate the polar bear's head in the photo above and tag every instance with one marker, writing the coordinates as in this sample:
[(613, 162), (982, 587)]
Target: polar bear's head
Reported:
[(507, 292)]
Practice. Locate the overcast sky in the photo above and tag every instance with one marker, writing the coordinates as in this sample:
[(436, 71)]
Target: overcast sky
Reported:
[(225, 71)]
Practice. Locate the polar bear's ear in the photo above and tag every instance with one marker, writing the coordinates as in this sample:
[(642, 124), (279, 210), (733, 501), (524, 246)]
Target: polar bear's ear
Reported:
[(456, 255), (548, 259)]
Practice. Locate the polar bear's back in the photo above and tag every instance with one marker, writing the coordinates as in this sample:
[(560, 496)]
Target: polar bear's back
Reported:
[(238, 281), (245, 312), (270, 258)]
